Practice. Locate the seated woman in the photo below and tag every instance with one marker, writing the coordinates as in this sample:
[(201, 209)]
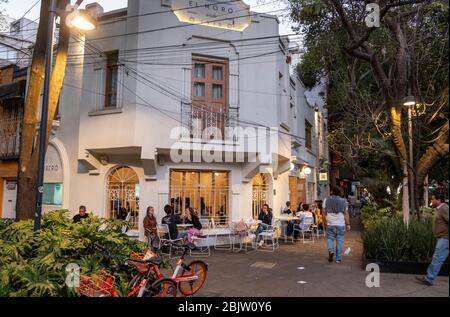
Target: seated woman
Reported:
[(318, 214), (191, 217), (265, 216)]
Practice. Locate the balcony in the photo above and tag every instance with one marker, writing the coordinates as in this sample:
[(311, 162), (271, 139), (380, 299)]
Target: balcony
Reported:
[(206, 123), (10, 137)]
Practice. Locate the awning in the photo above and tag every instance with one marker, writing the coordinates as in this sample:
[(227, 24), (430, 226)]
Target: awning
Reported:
[(13, 90)]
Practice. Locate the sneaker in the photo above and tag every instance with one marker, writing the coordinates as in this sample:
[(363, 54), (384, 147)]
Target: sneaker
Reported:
[(330, 256), (424, 281), (338, 261)]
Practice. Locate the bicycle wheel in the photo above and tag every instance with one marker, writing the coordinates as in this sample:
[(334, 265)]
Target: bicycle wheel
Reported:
[(164, 287), (196, 269)]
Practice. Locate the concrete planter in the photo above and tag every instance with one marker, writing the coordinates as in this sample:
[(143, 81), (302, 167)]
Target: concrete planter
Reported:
[(404, 267)]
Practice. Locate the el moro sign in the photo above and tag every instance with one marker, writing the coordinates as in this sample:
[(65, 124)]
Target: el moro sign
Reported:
[(230, 15)]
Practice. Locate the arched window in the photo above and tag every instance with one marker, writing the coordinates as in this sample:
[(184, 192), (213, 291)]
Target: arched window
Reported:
[(260, 193), (123, 195)]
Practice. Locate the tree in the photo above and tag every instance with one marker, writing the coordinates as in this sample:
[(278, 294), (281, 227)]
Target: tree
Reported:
[(370, 71), (29, 149)]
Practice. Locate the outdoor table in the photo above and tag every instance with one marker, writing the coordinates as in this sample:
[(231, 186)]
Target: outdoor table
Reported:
[(184, 226), (285, 220), (249, 224)]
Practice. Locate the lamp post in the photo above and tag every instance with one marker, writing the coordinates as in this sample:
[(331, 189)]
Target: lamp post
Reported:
[(84, 22), (410, 102)]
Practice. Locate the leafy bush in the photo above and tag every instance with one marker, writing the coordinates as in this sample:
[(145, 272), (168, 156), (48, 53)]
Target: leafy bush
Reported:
[(370, 214), (34, 264), (390, 240)]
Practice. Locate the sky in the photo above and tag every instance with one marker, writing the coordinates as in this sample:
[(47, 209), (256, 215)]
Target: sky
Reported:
[(17, 8)]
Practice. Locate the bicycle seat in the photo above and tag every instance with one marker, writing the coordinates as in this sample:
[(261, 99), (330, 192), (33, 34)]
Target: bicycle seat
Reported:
[(154, 260)]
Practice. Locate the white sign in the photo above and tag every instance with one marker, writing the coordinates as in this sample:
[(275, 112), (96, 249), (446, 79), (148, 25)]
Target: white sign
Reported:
[(224, 14), (53, 172)]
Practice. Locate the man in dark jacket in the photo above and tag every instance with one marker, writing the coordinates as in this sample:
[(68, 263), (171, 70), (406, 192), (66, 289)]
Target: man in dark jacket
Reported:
[(441, 233), (81, 214), (171, 221)]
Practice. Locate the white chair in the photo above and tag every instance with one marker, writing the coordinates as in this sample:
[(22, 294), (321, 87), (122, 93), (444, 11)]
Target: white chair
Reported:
[(202, 244), (306, 226), (127, 219), (270, 237)]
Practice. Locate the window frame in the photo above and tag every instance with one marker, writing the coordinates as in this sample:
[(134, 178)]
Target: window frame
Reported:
[(111, 66), (308, 135)]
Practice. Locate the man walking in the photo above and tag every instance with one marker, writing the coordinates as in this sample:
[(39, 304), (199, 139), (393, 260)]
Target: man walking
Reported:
[(441, 233), (337, 221)]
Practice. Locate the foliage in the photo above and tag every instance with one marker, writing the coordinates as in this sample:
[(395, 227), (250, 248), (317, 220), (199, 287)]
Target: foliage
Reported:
[(371, 214), (359, 109), (390, 240), (34, 264)]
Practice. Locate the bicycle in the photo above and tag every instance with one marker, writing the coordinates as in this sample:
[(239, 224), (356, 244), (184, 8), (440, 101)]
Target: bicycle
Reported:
[(192, 277), (142, 285)]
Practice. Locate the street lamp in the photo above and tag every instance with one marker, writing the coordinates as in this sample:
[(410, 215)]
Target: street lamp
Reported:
[(410, 102), (81, 21)]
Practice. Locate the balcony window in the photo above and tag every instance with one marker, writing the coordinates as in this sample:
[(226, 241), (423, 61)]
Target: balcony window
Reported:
[(199, 89), (199, 70), (217, 91), (217, 73)]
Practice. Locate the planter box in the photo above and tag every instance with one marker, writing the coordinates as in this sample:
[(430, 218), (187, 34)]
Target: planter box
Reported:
[(404, 267)]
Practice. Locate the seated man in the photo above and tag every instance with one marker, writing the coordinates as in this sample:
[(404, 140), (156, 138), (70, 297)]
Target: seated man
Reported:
[(81, 214), (266, 220), (302, 215), (171, 220)]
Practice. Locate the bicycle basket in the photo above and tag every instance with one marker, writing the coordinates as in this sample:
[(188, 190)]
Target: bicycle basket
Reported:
[(101, 285), (141, 267)]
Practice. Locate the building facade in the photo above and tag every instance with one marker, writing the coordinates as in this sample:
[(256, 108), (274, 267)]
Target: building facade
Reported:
[(181, 103)]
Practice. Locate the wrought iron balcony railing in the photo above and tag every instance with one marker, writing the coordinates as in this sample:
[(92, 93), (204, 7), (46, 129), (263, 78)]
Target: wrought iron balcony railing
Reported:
[(10, 137), (208, 122)]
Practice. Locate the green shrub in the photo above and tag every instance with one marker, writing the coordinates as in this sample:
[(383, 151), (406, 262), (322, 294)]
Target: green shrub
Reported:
[(34, 264), (371, 215), (391, 240)]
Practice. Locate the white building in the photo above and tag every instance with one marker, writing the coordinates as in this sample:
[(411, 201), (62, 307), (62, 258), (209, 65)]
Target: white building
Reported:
[(16, 41), (143, 74)]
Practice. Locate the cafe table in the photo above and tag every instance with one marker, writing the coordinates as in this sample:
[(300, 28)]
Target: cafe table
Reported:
[(184, 226), (284, 219)]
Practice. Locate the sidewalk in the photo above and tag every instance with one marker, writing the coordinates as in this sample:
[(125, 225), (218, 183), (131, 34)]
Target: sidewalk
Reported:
[(279, 274)]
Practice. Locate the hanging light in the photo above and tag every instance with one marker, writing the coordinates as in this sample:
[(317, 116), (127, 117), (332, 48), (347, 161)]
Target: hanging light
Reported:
[(409, 101), (307, 170), (80, 19)]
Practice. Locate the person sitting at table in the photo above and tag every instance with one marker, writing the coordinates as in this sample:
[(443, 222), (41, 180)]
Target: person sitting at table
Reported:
[(171, 220), (190, 217), (300, 207), (304, 213), (265, 216), (287, 209), (318, 214)]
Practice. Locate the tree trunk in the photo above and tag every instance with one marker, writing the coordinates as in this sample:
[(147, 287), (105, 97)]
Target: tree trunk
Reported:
[(26, 187), (26, 198)]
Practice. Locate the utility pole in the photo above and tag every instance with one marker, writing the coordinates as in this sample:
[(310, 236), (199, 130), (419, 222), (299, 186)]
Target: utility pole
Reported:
[(44, 115)]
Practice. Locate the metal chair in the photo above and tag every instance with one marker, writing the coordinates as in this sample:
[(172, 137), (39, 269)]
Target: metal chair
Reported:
[(270, 235), (201, 242), (162, 231), (305, 227)]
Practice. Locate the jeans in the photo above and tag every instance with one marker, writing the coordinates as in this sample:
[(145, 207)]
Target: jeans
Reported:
[(261, 228), (182, 235), (335, 233), (439, 256)]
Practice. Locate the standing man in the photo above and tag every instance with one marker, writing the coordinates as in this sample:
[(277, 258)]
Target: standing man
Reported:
[(337, 221), (441, 233), (81, 214)]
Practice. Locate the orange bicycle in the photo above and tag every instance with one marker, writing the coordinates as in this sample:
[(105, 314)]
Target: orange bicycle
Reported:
[(188, 277), (142, 285)]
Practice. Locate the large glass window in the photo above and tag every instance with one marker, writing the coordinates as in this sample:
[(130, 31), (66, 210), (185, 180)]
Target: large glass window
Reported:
[(53, 194), (217, 73), (199, 70), (199, 89), (217, 91), (308, 135), (205, 191)]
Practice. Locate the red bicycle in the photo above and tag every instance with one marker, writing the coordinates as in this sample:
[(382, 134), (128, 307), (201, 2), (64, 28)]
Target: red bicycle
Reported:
[(142, 285), (188, 277)]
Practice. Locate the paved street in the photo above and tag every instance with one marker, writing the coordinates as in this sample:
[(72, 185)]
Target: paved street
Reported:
[(232, 274)]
